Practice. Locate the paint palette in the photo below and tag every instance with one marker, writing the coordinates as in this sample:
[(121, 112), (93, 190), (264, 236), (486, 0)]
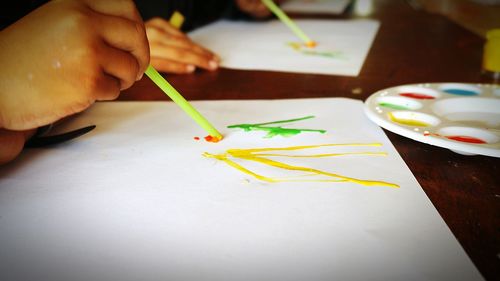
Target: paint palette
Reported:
[(464, 118)]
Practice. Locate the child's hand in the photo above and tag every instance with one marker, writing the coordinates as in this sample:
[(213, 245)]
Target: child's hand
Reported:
[(64, 56), (11, 143), (255, 8), (172, 51)]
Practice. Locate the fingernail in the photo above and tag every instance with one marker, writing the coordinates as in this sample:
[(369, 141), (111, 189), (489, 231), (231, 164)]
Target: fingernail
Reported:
[(190, 68), (140, 76), (212, 64)]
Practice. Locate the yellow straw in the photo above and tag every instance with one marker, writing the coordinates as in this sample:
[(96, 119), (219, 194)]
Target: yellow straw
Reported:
[(291, 24), (170, 91)]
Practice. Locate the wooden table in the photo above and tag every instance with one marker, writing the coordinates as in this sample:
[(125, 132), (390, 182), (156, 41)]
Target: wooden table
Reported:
[(411, 46)]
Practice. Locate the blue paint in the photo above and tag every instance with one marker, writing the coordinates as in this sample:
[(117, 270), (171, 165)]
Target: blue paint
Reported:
[(460, 92)]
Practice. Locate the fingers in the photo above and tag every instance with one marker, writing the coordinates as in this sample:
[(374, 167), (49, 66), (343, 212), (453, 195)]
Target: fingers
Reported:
[(158, 35), (11, 143), (186, 56), (178, 50), (254, 7), (119, 8), (120, 65), (169, 66), (107, 87), (163, 25), (128, 36)]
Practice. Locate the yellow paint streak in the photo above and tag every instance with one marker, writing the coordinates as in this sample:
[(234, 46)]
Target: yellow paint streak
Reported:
[(409, 122), (254, 155)]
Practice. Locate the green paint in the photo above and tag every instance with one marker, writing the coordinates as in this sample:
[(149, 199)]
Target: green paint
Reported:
[(311, 52), (393, 106), (276, 131), (333, 55)]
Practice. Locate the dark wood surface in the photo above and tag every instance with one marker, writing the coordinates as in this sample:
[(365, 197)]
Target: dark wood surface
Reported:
[(411, 46)]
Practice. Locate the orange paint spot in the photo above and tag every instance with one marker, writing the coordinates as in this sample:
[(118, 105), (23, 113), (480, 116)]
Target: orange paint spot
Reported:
[(196, 138), (311, 44), (210, 138)]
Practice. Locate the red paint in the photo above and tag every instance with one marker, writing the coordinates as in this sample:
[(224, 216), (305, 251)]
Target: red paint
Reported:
[(209, 138), (466, 139), (196, 138), (417, 96)]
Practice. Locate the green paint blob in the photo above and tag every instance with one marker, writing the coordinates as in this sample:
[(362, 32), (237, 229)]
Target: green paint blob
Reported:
[(393, 106), (276, 131)]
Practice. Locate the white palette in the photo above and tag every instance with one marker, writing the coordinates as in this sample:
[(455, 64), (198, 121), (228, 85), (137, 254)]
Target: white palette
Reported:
[(459, 116)]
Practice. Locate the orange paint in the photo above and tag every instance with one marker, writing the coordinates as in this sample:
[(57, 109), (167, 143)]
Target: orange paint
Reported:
[(213, 139), (311, 44)]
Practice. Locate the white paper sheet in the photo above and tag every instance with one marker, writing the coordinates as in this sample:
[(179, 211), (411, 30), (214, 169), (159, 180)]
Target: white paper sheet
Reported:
[(315, 6), (136, 200), (264, 46)]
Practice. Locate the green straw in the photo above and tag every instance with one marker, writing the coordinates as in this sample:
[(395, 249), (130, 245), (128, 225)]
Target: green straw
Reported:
[(181, 101), (286, 20)]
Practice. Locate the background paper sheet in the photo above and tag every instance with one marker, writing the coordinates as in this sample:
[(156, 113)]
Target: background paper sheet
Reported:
[(136, 200), (315, 6), (264, 46)]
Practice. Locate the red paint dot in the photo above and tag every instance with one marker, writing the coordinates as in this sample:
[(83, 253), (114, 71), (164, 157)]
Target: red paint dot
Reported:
[(196, 138), (417, 96), (466, 139)]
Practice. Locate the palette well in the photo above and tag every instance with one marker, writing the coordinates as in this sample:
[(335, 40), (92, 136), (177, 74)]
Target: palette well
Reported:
[(462, 117)]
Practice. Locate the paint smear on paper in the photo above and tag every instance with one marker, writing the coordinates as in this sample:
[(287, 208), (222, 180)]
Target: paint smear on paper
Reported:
[(260, 155), (276, 130), (306, 50), (210, 138)]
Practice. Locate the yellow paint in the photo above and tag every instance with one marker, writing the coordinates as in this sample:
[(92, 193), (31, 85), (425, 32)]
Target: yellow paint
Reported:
[(409, 122), (491, 52), (256, 156)]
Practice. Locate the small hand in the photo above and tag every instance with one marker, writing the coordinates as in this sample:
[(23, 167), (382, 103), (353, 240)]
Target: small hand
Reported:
[(255, 8), (65, 55), (172, 51), (11, 143)]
